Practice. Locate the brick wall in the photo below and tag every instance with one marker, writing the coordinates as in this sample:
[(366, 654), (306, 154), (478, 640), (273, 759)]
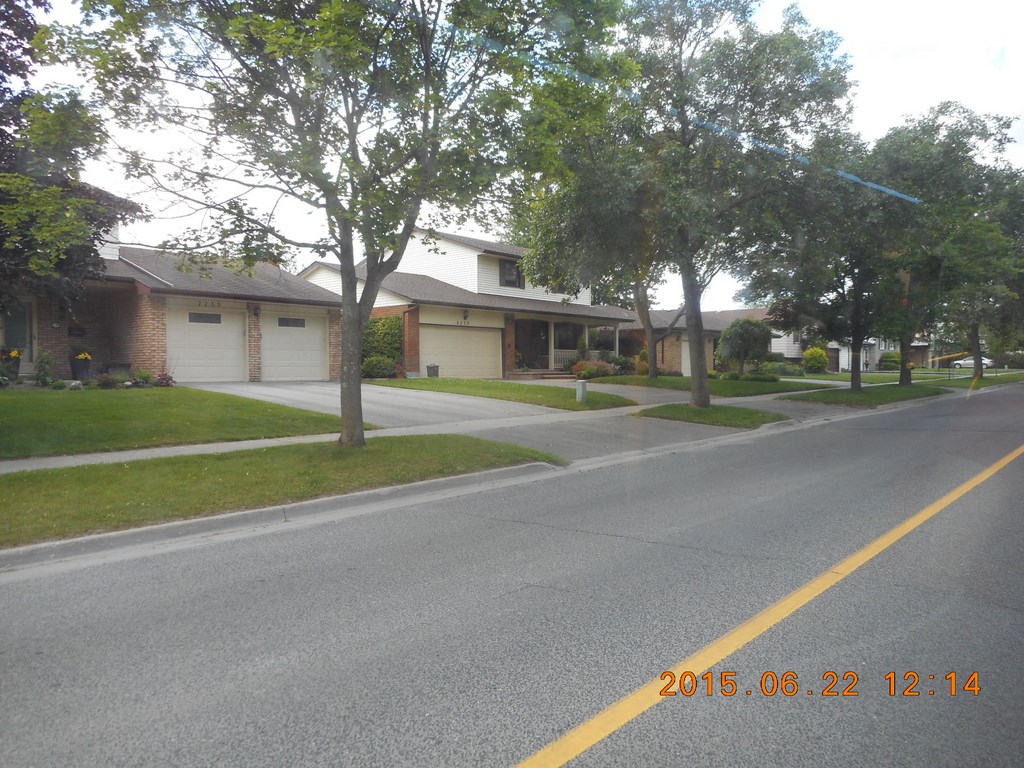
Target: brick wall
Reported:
[(334, 344), (508, 350), (255, 337)]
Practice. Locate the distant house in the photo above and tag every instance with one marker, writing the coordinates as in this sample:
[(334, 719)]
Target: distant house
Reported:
[(145, 314), (468, 309), (673, 352)]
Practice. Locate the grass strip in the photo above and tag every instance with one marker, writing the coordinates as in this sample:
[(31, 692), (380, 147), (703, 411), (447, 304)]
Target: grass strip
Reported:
[(716, 415), (48, 423), (61, 503), (990, 379), (718, 387), (533, 394), (871, 397)]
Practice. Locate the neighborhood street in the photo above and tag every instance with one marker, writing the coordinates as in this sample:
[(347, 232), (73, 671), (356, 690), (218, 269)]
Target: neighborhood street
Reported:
[(475, 626)]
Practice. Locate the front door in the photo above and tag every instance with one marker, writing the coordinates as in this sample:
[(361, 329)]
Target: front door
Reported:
[(17, 332), (532, 344)]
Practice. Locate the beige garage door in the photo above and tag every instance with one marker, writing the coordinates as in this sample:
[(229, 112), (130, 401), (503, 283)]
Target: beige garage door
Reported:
[(206, 344), (472, 353), (294, 347), (684, 361)]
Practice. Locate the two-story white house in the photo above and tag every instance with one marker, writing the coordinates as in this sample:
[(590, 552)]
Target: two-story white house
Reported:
[(468, 309)]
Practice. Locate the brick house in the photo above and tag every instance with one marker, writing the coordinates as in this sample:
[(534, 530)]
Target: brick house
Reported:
[(468, 309), (145, 314)]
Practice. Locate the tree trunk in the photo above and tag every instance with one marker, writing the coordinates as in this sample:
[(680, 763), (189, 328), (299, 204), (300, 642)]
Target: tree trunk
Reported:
[(641, 302), (906, 369), (975, 341), (856, 350), (351, 368), (743, 359), (699, 395)]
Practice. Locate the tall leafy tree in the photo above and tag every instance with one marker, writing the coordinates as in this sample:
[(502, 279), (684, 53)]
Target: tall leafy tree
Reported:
[(715, 105), (745, 339), (947, 259), (51, 223), (353, 116)]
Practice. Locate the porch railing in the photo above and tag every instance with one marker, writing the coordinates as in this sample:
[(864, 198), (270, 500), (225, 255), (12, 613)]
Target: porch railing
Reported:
[(563, 357)]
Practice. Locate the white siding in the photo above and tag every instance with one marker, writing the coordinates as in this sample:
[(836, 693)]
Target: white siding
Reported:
[(445, 261), (488, 283), (787, 346), (325, 277)]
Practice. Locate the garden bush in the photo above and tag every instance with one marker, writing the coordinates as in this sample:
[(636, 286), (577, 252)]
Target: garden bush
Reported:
[(378, 367), (889, 361), (164, 380), (624, 364), (782, 369), (589, 369), (728, 376), (383, 337), (815, 360), (106, 381), (759, 377)]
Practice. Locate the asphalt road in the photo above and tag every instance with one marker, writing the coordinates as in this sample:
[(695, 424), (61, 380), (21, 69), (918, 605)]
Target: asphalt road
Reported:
[(475, 630)]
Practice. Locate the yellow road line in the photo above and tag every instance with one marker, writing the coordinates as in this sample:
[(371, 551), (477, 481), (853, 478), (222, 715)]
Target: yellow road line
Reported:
[(596, 729)]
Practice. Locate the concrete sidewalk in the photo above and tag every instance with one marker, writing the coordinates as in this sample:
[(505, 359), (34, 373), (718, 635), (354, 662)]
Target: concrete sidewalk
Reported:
[(573, 435)]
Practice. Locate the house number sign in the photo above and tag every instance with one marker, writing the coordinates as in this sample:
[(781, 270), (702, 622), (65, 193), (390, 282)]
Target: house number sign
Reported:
[(204, 303)]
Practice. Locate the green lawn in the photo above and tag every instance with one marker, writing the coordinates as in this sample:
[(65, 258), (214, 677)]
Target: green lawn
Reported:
[(534, 394), (716, 387), (931, 375), (48, 422), (716, 415), (870, 397), (990, 379), (61, 503)]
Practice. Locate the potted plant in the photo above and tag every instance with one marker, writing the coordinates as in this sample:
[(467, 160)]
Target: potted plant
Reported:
[(10, 360), (81, 365)]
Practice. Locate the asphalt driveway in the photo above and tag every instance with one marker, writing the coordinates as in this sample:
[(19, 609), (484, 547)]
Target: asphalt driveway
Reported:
[(382, 406)]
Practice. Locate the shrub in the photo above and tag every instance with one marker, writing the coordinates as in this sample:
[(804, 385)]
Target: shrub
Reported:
[(782, 369), (625, 365), (44, 369), (759, 377), (729, 376), (143, 376), (589, 369), (383, 337), (164, 380), (775, 357), (58, 384), (106, 381), (378, 367), (889, 361), (642, 368), (815, 360), (642, 355)]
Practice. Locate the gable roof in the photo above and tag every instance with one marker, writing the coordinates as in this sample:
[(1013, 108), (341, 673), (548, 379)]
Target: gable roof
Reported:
[(493, 247), (713, 321), (159, 273), (420, 289)]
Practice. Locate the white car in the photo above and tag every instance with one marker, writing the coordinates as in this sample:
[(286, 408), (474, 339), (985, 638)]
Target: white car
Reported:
[(968, 362)]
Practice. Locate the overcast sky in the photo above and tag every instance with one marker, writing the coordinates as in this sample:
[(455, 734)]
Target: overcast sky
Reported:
[(906, 56)]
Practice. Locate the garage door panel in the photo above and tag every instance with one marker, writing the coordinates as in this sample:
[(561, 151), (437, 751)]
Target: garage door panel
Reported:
[(472, 353), (206, 345), (294, 347)]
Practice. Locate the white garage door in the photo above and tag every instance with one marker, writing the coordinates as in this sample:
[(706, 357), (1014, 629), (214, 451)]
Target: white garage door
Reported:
[(206, 344), (294, 347), (685, 359), (472, 353)]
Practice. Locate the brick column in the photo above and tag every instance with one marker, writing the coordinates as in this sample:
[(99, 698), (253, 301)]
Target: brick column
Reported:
[(255, 339), (334, 344)]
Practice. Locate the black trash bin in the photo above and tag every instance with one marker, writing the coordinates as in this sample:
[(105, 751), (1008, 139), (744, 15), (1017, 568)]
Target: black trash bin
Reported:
[(432, 371)]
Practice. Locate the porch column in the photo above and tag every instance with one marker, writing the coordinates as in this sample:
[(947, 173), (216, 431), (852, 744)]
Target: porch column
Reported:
[(551, 344), (616, 332)]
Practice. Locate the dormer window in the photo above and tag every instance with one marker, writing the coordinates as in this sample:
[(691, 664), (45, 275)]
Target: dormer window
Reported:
[(509, 274)]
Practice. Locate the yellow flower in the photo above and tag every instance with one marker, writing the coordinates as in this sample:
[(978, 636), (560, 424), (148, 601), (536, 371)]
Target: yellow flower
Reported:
[(15, 354), (83, 356)]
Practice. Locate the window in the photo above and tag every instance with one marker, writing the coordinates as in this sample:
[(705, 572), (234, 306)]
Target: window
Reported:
[(212, 318), (509, 274), (291, 322)]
